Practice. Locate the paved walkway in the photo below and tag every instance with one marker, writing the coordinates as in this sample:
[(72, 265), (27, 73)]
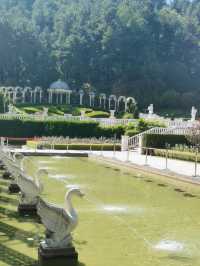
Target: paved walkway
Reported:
[(184, 168)]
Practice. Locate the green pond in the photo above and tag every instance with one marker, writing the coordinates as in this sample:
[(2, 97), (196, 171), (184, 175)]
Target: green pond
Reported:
[(127, 218)]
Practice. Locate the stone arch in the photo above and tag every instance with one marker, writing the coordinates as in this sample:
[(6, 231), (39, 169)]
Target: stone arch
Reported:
[(112, 102), (102, 100), (121, 103), (131, 104)]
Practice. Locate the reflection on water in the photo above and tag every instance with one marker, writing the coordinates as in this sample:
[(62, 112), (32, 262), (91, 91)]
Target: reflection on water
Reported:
[(169, 245), (122, 209), (61, 176)]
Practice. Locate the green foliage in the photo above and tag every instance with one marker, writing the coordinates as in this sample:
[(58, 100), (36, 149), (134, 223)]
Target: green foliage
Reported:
[(132, 132), (98, 114), (147, 49), (161, 141), (31, 110), (140, 126), (81, 129), (128, 116)]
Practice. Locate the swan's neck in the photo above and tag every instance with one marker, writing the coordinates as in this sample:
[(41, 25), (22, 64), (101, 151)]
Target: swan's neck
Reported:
[(70, 209)]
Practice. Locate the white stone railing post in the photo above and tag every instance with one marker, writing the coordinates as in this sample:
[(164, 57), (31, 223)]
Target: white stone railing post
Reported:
[(124, 143)]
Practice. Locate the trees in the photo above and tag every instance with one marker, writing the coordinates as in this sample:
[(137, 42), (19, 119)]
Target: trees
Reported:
[(137, 48)]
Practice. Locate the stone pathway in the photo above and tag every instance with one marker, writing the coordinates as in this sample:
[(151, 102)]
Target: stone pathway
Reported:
[(179, 167)]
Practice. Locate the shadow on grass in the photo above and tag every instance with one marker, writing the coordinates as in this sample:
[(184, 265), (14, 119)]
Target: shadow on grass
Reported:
[(15, 258), (4, 183), (4, 189), (16, 233), (15, 215), (9, 200)]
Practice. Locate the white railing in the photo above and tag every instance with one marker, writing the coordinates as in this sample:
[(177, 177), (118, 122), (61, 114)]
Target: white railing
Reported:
[(102, 121), (133, 142)]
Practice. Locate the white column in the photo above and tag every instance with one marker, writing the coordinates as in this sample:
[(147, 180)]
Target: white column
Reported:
[(126, 105), (81, 99), (90, 100), (34, 96), (14, 97), (67, 97), (57, 98), (8, 96), (115, 104), (23, 96), (61, 98), (124, 143), (31, 96), (40, 96), (49, 97)]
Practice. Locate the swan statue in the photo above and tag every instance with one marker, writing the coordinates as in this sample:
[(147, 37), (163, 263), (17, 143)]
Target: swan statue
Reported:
[(59, 222), (30, 187)]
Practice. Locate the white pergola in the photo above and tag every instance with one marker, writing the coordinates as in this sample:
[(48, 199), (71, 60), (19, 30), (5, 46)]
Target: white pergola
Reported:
[(59, 90)]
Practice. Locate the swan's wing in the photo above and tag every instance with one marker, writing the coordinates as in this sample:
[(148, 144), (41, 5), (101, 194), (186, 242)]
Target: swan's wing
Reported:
[(54, 218), (27, 185)]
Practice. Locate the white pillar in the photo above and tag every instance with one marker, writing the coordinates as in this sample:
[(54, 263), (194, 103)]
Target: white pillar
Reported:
[(126, 105), (61, 98), (124, 143), (115, 104), (34, 97), (67, 97), (81, 99), (49, 97), (31, 96), (40, 96), (56, 98), (23, 96)]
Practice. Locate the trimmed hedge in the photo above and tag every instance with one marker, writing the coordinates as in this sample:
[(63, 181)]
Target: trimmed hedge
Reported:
[(73, 129), (160, 141), (98, 114), (173, 154), (94, 147)]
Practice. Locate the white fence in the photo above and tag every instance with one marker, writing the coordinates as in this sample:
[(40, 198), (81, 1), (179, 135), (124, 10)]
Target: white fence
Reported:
[(102, 121), (134, 141)]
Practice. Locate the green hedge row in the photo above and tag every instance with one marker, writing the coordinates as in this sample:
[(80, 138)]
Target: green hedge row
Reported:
[(94, 147), (81, 129), (161, 141), (186, 156)]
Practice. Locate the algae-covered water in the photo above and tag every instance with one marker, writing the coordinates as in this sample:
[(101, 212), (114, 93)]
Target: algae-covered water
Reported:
[(126, 218)]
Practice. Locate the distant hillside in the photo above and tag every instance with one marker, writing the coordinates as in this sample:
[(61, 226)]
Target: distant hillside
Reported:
[(149, 49)]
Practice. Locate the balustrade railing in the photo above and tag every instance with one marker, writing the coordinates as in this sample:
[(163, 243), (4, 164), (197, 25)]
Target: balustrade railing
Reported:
[(133, 142), (102, 121)]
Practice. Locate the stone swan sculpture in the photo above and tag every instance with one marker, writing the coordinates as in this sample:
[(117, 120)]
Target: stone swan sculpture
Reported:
[(59, 222), (30, 187)]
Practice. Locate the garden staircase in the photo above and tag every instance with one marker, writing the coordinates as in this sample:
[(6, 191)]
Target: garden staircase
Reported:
[(133, 142)]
